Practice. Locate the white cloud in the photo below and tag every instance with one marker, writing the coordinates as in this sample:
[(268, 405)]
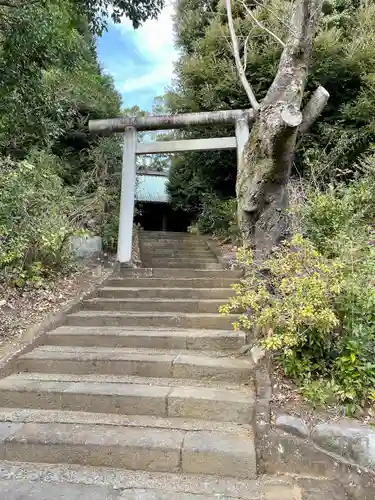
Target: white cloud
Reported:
[(155, 78), (154, 41)]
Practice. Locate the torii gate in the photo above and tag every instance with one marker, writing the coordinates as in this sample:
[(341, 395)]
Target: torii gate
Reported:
[(240, 119)]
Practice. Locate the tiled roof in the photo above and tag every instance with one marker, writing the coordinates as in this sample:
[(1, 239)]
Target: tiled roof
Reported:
[(152, 188)]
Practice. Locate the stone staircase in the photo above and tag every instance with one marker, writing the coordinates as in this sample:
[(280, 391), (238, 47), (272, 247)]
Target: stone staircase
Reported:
[(140, 394), (175, 250)]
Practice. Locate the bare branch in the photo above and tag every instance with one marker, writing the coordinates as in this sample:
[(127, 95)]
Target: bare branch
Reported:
[(245, 52), (236, 52), (313, 108), (261, 25)]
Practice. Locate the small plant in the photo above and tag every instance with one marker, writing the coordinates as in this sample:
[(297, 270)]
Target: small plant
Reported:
[(287, 302)]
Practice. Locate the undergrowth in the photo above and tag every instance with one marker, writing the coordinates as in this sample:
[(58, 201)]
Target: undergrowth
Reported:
[(312, 303)]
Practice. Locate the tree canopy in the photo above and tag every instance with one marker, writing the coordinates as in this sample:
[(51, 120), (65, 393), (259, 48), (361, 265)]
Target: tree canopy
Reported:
[(51, 84), (206, 79), (96, 12)]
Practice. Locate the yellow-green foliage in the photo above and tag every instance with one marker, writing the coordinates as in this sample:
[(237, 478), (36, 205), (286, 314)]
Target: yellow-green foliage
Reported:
[(289, 297), (317, 315)]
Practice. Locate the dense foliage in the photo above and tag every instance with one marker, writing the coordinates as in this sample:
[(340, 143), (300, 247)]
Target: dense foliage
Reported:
[(55, 177), (206, 80), (313, 301)]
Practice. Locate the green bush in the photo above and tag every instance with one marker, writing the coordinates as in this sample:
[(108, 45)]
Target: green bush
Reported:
[(341, 216), (34, 222), (218, 217), (110, 231)]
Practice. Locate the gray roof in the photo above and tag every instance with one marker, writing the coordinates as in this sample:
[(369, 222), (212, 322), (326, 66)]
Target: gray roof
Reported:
[(151, 188)]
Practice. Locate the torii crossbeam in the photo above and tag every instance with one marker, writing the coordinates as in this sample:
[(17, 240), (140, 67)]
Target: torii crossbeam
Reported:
[(129, 125)]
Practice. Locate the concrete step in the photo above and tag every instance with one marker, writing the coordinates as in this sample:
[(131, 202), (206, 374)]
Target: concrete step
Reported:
[(183, 261), (141, 362), (47, 481), (164, 282), (167, 234), (171, 252), (19, 391), (180, 273), (185, 254), (147, 338), (21, 480), (172, 243), (166, 293), (135, 448), (173, 264), (162, 305), (151, 319), (31, 415), (175, 251), (137, 380)]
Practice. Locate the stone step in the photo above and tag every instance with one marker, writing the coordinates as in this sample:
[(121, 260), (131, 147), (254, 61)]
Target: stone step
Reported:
[(151, 319), (141, 362), (135, 448), (181, 261), (47, 481), (156, 304), (19, 391), (152, 282), (171, 252), (166, 293), (31, 415), (134, 379), (167, 234), (176, 249), (147, 338), (180, 273), (174, 264), (173, 243)]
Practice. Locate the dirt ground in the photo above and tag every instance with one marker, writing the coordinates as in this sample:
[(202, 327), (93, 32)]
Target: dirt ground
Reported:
[(21, 309)]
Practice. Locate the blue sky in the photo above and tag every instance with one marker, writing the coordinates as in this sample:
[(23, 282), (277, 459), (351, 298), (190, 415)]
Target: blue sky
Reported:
[(140, 61)]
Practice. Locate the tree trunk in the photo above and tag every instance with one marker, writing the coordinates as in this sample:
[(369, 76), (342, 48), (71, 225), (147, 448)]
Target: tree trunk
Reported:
[(264, 171)]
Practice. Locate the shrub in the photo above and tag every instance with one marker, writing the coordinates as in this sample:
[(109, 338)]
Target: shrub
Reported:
[(110, 231), (317, 315), (34, 223), (342, 215), (218, 217)]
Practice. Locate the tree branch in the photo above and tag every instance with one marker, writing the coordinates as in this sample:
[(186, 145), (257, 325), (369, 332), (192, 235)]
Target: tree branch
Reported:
[(274, 14), (245, 52), (313, 108), (261, 25), (236, 52), (290, 79), (291, 116)]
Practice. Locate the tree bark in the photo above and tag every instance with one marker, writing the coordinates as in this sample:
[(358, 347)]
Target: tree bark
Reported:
[(263, 174)]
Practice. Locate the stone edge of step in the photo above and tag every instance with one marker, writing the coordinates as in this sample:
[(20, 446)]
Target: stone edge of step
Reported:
[(157, 450), (45, 416), (266, 488)]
